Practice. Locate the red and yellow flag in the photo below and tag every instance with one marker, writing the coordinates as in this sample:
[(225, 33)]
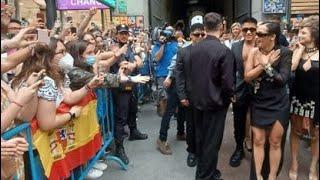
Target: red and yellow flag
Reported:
[(63, 149)]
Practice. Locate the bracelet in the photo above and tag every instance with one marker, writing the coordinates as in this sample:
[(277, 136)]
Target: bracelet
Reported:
[(267, 66), (268, 69), (87, 87), (18, 104), (72, 115)]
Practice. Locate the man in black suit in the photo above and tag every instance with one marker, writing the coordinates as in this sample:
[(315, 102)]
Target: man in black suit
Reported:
[(183, 89), (212, 87), (240, 51)]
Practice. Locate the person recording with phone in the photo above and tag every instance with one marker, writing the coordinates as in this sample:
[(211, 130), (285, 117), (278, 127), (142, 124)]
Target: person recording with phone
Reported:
[(125, 97)]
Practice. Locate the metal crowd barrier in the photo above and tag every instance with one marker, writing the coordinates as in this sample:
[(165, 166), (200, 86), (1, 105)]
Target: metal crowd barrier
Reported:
[(25, 127), (106, 121), (107, 131)]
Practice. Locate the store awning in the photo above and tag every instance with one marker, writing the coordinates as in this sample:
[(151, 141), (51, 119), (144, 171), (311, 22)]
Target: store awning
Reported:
[(110, 3), (305, 7)]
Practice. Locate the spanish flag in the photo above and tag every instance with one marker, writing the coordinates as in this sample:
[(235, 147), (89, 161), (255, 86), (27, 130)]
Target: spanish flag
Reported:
[(62, 150)]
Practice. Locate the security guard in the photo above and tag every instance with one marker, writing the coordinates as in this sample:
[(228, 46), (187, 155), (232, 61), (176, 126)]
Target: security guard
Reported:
[(125, 97)]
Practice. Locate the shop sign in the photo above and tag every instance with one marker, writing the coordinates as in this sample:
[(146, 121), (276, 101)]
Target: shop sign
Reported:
[(79, 4), (274, 6)]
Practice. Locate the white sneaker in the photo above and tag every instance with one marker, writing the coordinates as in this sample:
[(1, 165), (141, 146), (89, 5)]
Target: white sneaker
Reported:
[(100, 166), (94, 174)]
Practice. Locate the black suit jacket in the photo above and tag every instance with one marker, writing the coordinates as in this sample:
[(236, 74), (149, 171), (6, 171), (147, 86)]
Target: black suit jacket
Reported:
[(182, 73), (242, 88), (212, 75)]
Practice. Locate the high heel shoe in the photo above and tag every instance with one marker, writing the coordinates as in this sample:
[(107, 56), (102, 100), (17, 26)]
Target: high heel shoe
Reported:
[(313, 176), (293, 175)]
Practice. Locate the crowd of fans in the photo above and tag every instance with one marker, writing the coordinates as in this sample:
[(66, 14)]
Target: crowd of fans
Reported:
[(271, 79), (42, 68)]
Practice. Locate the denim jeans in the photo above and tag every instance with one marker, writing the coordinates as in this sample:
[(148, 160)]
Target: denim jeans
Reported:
[(173, 103)]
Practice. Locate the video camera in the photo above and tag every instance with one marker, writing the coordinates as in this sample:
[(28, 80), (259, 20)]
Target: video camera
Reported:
[(166, 33), (162, 31)]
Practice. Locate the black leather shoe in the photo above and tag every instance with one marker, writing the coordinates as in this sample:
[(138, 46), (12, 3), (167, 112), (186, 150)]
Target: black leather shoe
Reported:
[(120, 153), (236, 158), (137, 135), (216, 176), (192, 160)]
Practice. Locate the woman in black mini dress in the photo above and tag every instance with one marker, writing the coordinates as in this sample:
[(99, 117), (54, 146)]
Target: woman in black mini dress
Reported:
[(305, 101), (268, 70)]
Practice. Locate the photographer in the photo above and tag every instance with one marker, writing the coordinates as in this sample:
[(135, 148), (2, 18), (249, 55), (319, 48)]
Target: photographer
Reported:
[(163, 52), (125, 97)]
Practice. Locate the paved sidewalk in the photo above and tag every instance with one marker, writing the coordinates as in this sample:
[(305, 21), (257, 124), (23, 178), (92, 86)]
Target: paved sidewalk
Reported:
[(146, 163)]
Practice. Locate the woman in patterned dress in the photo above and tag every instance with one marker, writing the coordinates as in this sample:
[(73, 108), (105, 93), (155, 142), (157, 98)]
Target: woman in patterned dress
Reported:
[(305, 100)]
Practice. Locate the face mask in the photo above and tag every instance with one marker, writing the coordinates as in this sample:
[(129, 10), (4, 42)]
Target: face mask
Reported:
[(66, 63), (91, 60)]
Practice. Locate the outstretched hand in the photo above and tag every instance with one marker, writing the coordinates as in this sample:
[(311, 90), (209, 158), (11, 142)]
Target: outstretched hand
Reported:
[(20, 40), (41, 3), (140, 79)]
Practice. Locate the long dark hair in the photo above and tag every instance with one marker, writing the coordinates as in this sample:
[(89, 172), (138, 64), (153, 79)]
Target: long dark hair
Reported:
[(76, 49), (42, 59), (273, 28)]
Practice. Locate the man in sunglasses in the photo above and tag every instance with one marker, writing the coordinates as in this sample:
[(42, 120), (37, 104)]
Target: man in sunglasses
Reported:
[(240, 51), (183, 89)]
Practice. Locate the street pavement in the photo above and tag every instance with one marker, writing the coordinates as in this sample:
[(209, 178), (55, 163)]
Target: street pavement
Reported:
[(147, 163)]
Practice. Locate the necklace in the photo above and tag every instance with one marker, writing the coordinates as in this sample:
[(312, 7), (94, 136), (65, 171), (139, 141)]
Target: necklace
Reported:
[(311, 50), (309, 56), (265, 52)]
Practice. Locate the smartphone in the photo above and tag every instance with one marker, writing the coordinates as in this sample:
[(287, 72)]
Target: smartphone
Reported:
[(73, 30), (43, 36)]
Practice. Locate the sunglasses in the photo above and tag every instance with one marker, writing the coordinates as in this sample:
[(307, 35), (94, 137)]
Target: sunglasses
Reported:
[(259, 34), (245, 30), (199, 34)]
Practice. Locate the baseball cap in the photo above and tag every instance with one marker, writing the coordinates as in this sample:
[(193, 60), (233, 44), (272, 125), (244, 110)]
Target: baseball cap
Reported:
[(196, 20), (122, 28)]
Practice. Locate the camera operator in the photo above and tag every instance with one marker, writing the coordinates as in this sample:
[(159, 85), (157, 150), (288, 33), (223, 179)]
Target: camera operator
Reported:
[(125, 97), (163, 52)]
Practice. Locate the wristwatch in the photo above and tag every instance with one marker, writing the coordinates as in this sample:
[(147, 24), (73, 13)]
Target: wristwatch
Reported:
[(72, 115)]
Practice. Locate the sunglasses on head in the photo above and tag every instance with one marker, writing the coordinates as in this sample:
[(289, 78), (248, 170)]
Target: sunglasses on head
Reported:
[(260, 34), (199, 34), (245, 30)]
